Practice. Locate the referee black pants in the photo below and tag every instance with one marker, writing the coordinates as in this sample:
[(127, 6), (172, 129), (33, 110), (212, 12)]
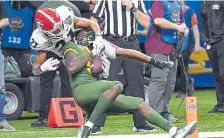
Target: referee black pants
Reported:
[(46, 80), (216, 57), (133, 73)]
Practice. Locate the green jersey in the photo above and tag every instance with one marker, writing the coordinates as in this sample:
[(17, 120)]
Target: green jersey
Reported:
[(84, 76)]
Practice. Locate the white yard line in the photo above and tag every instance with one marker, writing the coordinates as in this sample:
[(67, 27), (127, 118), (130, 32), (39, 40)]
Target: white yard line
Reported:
[(201, 135)]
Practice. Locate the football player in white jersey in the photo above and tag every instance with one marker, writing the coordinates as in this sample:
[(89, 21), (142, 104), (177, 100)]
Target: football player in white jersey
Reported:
[(55, 27)]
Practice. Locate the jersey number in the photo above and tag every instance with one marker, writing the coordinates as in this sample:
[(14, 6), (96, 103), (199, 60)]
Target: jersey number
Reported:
[(33, 43), (15, 40)]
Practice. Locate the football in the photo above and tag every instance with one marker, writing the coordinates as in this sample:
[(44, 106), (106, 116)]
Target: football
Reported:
[(96, 66)]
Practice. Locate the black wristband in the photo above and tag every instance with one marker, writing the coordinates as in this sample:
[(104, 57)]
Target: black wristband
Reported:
[(133, 8), (156, 63)]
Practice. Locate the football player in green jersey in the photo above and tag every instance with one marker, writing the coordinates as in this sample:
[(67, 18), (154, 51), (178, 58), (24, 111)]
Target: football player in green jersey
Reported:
[(92, 95), (100, 96)]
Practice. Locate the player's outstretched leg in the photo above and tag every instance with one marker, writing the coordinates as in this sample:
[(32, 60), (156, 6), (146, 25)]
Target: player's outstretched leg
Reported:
[(154, 118), (109, 91), (128, 103)]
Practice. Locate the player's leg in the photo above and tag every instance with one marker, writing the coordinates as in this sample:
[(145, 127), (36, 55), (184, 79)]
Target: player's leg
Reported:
[(98, 95), (4, 126), (127, 104)]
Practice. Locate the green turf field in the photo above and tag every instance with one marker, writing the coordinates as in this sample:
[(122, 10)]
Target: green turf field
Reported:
[(122, 124)]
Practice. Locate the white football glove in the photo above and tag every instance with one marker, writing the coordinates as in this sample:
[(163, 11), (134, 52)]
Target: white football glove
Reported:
[(105, 66), (110, 49), (50, 65), (98, 46)]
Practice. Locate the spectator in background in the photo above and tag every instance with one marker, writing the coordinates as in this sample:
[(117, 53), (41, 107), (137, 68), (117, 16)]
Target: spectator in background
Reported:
[(120, 27), (193, 38), (15, 37), (212, 17), (159, 45), (4, 126)]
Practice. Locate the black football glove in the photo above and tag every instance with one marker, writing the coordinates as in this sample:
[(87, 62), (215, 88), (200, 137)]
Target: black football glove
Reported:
[(166, 65), (162, 64)]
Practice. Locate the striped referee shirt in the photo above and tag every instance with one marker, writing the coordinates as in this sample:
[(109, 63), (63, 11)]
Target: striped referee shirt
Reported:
[(119, 20)]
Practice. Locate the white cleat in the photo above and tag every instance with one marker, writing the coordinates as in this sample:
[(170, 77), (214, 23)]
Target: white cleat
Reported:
[(185, 131)]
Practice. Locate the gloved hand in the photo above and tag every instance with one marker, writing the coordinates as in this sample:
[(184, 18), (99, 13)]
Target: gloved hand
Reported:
[(110, 49), (105, 66), (98, 46), (50, 65), (162, 64), (166, 65)]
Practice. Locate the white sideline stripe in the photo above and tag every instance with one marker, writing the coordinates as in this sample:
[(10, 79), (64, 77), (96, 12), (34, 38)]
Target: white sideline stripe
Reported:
[(201, 135)]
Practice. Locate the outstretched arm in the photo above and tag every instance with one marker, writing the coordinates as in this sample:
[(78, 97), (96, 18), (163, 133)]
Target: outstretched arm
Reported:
[(130, 53), (112, 51), (133, 54), (87, 23)]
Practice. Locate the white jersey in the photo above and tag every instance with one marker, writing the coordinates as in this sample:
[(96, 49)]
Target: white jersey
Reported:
[(40, 41)]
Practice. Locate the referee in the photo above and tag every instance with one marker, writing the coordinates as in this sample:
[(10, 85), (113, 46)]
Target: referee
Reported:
[(120, 28)]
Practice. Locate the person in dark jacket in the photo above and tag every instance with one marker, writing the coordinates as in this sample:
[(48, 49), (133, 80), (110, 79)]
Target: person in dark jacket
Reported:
[(212, 18)]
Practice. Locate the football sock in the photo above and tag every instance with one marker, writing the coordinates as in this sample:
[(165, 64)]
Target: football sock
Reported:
[(2, 104), (101, 106), (159, 121), (89, 124), (173, 131)]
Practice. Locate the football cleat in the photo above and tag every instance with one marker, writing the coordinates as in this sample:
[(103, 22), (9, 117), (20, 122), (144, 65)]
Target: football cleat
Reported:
[(84, 132), (4, 126), (185, 131)]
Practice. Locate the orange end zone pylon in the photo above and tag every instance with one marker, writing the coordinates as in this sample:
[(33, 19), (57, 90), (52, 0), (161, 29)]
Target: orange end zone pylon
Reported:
[(192, 113)]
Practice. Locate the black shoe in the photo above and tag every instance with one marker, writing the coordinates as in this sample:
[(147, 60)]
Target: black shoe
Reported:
[(96, 130), (145, 128), (39, 123), (170, 118), (216, 110), (84, 132)]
